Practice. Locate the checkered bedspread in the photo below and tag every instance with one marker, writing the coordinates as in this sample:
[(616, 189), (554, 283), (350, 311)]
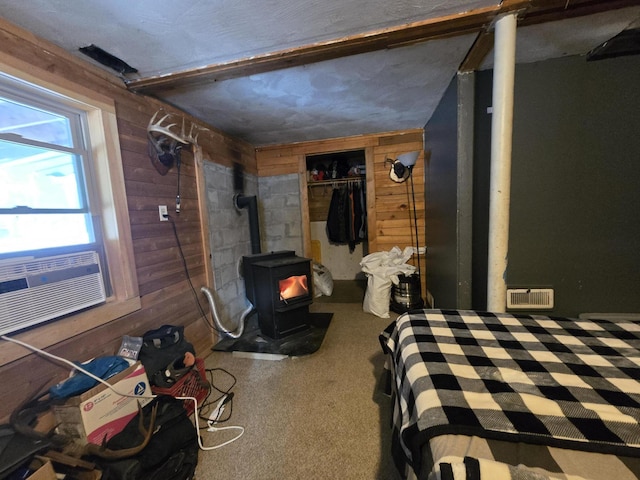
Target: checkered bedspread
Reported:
[(544, 380)]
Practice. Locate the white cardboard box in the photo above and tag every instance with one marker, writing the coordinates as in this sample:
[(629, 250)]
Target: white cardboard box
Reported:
[(100, 413)]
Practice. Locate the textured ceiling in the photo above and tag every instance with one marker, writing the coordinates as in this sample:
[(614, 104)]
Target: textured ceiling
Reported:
[(384, 90)]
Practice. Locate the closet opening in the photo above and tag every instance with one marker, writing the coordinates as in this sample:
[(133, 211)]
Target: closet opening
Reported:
[(336, 191)]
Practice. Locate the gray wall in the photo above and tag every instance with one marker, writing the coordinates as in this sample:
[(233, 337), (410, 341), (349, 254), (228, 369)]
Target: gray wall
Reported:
[(448, 196), (575, 196)]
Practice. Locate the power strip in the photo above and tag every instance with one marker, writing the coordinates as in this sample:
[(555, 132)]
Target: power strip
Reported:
[(219, 410)]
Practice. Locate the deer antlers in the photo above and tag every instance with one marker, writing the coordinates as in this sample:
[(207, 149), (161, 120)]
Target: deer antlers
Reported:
[(182, 137), (166, 144)]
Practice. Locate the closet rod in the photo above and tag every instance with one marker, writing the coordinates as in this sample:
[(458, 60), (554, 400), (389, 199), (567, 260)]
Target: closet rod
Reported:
[(336, 181)]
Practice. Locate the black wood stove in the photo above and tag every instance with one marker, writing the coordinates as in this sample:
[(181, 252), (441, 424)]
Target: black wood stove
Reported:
[(280, 286)]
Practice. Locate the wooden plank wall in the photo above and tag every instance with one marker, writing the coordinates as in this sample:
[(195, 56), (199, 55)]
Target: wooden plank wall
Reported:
[(389, 204), (166, 296)]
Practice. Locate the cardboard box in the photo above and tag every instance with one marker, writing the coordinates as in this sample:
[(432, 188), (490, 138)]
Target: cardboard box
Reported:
[(44, 469), (100, 413)]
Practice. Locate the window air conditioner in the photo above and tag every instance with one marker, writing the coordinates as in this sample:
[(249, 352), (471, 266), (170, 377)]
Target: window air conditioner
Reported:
[(33, 291)]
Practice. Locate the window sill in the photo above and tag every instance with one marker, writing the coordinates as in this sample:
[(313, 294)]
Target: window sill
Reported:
[(50, 334)]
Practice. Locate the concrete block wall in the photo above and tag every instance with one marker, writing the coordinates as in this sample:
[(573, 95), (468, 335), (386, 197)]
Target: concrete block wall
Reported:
[(229, 239), (279, 210)]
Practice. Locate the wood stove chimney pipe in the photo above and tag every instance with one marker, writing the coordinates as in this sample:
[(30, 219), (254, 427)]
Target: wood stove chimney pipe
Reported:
[(251, 202)]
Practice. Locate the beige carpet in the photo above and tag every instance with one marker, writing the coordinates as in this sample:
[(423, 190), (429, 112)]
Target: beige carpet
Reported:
[(345, 291), (321, 416)]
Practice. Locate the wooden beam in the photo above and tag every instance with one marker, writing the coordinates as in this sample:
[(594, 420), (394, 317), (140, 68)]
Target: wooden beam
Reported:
[(415, 32), (479, 50), (478, 20), (483, 43)]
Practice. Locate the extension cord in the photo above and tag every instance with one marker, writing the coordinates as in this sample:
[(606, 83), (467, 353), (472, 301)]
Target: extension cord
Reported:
[(77, 367)]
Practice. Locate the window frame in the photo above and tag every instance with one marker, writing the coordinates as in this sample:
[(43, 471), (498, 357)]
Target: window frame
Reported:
[(110, 193), (34, 96)]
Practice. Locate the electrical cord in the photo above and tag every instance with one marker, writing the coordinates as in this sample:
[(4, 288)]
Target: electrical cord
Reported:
[(216, 323), (112, 388), (186, 271), (226, 395)]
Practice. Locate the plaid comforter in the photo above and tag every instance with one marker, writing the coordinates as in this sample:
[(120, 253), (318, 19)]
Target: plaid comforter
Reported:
[(544, 380)]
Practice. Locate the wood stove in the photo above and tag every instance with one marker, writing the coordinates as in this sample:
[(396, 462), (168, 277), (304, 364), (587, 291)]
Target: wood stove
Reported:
[(280, 286)]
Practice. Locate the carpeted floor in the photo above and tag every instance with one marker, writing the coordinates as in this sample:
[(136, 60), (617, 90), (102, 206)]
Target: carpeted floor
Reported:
[(320, 416), (345, 291)]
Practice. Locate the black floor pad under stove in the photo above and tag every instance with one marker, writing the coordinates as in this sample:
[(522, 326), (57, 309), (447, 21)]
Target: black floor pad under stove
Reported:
[(300, 343)]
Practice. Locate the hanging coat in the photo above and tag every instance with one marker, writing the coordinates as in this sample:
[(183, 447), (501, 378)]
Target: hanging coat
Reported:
[(346, 217), (337, 218)]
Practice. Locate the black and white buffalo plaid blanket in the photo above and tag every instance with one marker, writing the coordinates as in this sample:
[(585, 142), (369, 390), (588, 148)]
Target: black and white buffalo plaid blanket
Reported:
[(536, 379)]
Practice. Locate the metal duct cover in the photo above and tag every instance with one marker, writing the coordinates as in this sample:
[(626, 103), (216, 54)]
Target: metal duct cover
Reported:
[(530, 298)]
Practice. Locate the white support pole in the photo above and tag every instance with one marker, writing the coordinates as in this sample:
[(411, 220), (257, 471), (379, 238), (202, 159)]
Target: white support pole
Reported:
[(501, 140)]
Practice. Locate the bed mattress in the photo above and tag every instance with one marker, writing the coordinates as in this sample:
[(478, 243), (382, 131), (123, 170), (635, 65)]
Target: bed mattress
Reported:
[(487, 395)]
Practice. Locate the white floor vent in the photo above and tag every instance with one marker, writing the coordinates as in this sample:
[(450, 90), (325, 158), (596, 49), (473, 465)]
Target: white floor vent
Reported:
[(530, 298)]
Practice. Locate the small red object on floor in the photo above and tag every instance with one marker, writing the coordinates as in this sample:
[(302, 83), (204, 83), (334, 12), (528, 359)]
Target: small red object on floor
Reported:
[(193, 384)]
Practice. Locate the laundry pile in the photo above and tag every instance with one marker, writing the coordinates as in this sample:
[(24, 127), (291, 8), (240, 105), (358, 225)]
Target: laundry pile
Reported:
[(382, 270)]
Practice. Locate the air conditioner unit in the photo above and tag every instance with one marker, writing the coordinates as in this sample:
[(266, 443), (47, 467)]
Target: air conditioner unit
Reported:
[(33, 290)]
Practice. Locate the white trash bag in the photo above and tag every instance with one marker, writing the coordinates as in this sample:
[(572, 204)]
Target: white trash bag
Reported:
[(322, 280), (382, 269)]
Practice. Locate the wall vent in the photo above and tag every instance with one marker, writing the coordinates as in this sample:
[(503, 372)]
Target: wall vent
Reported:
[(33, 291), (530, 298)]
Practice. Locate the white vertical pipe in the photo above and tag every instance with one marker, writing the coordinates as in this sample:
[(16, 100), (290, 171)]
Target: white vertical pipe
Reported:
[(501, 141)]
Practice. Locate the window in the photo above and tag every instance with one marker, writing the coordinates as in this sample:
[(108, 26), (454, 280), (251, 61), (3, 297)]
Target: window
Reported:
[(45, 173), (62, 191)]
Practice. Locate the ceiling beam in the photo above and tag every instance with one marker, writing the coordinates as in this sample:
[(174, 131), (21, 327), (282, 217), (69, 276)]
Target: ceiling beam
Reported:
[(402, 35), (483, 44), (479, 50), (473, 21)]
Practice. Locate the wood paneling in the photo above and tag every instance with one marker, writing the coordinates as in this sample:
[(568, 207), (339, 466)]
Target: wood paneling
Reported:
[(389, 204), (166, 295)]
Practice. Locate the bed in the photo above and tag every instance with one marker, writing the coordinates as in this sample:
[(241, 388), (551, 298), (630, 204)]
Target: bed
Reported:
[(490, 396)]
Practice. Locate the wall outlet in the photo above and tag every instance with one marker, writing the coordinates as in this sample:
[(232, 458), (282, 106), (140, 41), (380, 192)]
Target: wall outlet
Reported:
[(163, 213)]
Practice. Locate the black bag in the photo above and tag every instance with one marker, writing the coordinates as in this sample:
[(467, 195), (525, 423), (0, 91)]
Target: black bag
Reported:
[(162, 355), (172, 452)]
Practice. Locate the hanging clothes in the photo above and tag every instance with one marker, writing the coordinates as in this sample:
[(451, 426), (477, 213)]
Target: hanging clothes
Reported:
[(362, 234), (347, 215), (337, 229)]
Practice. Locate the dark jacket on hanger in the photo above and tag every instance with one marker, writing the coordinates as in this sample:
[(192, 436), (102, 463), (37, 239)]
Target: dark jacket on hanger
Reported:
[(346, 218)]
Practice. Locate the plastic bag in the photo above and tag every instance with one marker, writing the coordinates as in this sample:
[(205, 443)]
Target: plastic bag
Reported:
[(78, 382), (382, 269), (322, 280)]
